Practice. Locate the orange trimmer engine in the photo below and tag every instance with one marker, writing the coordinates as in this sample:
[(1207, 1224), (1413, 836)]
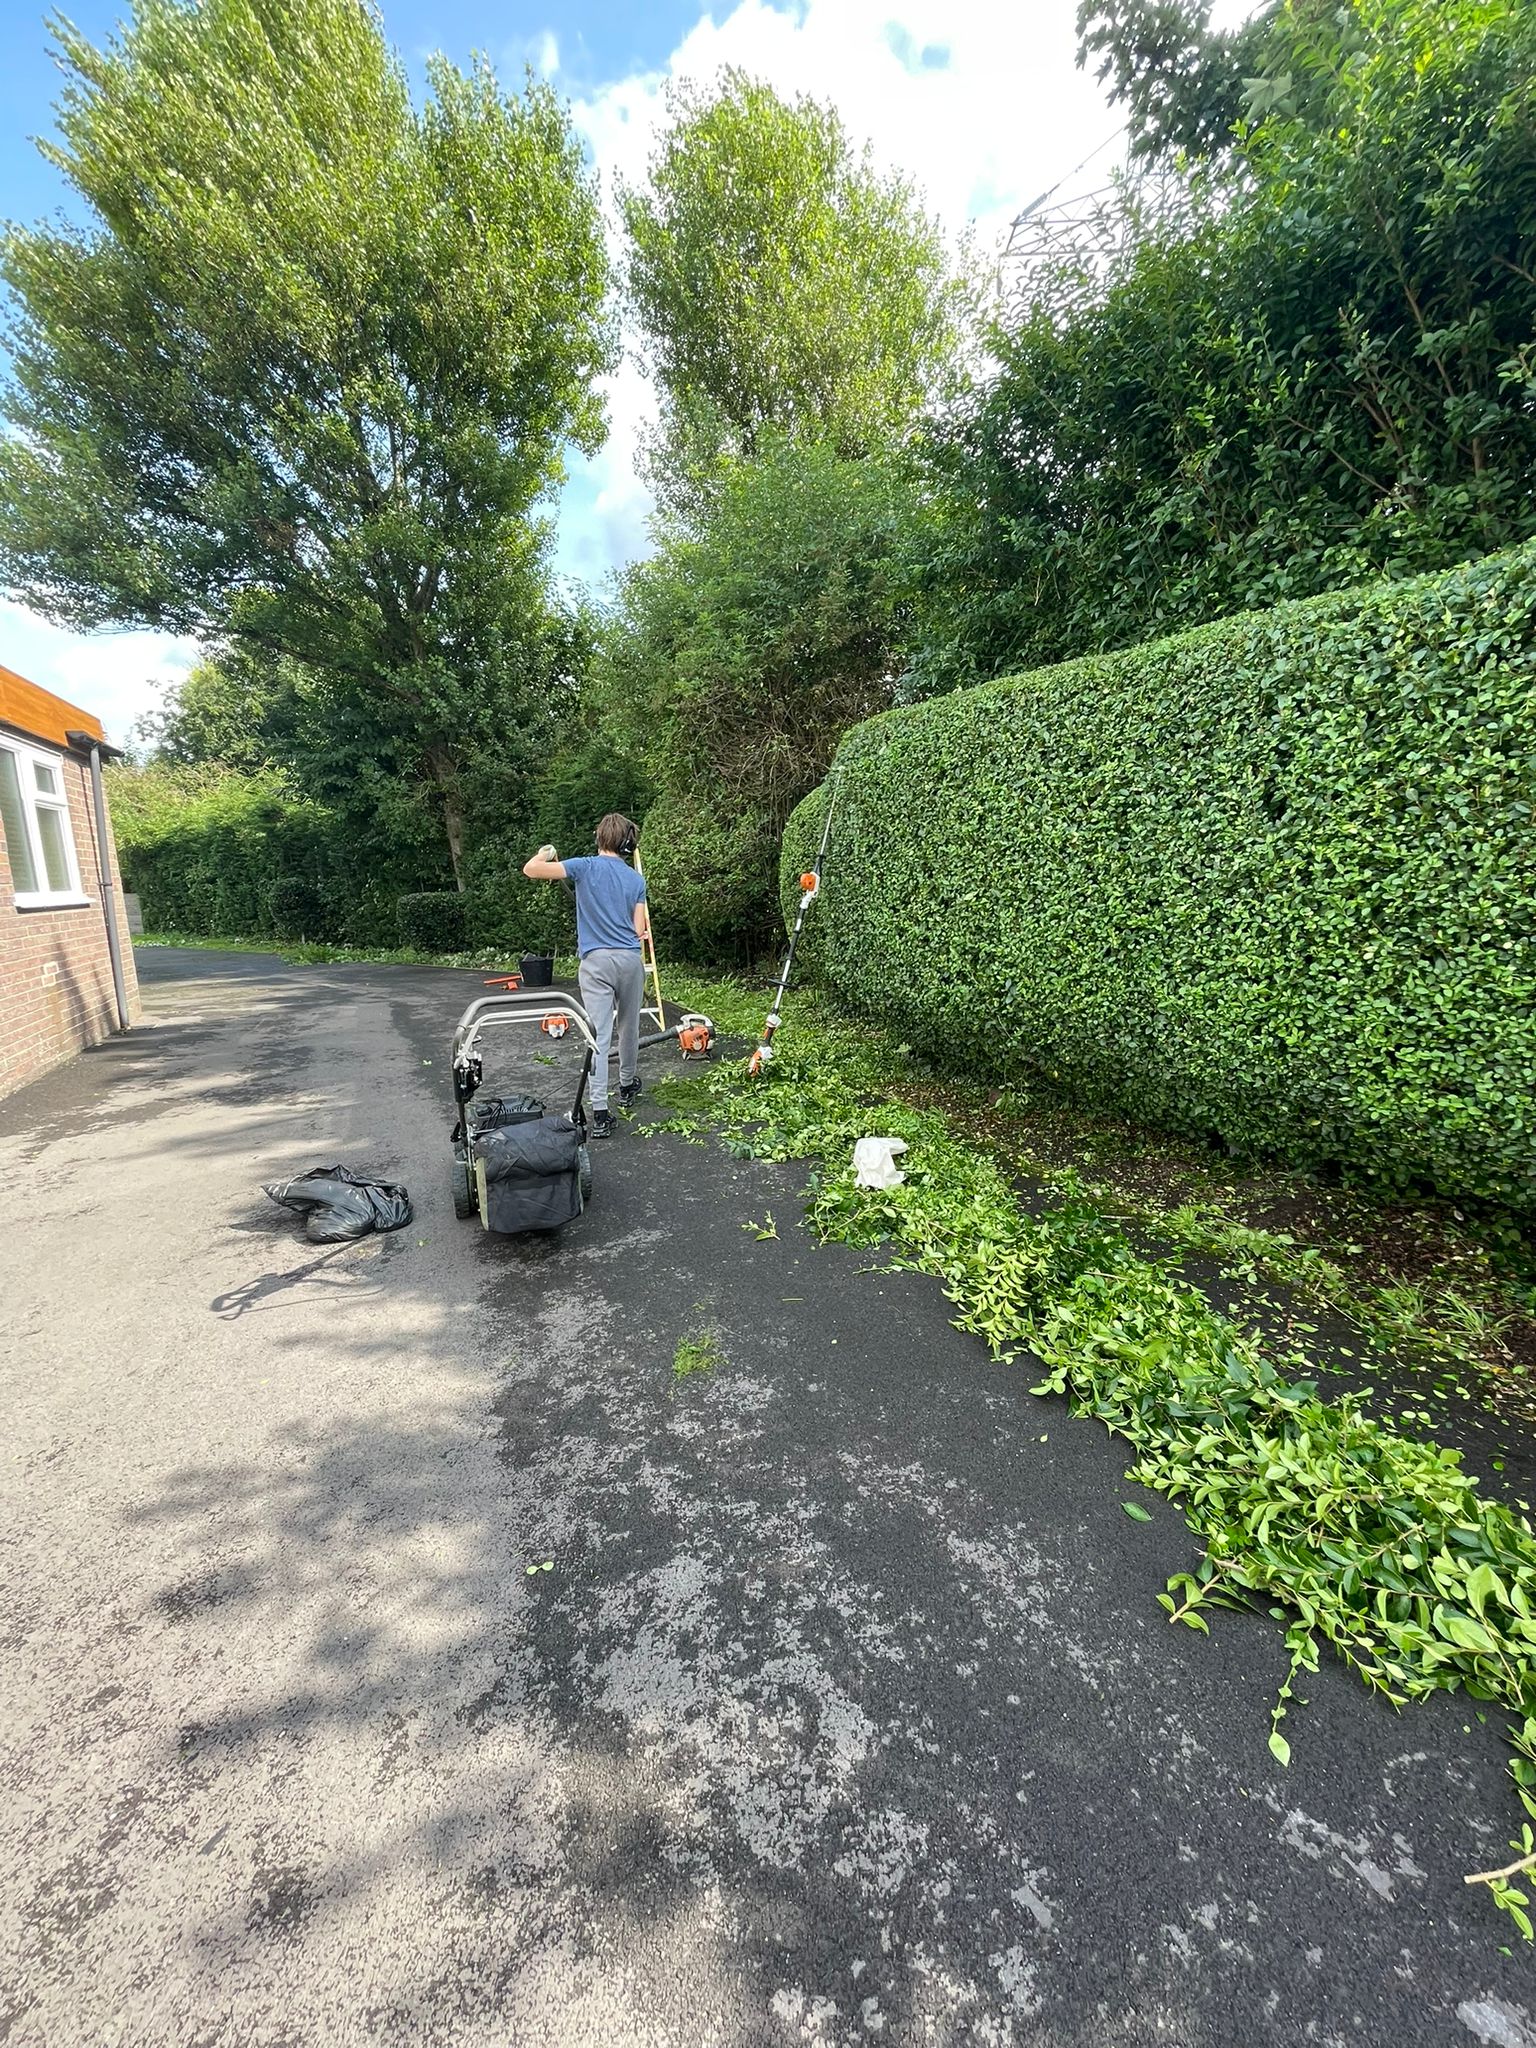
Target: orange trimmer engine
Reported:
[(555, 1025)]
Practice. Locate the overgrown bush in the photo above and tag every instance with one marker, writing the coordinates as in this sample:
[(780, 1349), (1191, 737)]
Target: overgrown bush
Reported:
[(214, 851), (296, 908), (581, 782), (1273, 880), (518, 916), (580, 785), (736, 657), (434, 921), (1317, 367), (704, 870)]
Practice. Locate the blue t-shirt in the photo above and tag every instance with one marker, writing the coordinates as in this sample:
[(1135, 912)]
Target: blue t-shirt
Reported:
[(607, 890)]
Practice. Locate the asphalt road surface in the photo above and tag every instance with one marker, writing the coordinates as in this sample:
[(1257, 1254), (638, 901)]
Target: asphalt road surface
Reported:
[(397, 1650)]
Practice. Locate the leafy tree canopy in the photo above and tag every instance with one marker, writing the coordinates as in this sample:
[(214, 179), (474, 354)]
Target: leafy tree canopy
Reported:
[(242, 711), (304, 379), (742, 650), (1184, 85), (1317, 369), (781, 283)]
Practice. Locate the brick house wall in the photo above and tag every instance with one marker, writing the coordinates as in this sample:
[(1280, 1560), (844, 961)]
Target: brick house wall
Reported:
[(56, 992)]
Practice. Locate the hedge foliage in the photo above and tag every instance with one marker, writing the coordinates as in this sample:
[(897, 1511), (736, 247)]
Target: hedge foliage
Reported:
[(1273, 880), (434, 921), (517, 916), (297, 908), (213, 850), (509, 915), (704, 870), (1306, 365)]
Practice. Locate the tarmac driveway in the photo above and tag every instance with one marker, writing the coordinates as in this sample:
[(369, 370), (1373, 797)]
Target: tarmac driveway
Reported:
[(397, 1650)]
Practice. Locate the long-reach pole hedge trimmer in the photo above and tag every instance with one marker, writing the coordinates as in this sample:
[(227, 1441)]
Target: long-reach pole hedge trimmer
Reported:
[(810, 885)]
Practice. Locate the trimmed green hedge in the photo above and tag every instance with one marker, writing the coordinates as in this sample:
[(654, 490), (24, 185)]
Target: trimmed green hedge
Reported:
[(296, 908), (213, 851), (508, 914), (434, 921), (518, 916), (1273, 881)]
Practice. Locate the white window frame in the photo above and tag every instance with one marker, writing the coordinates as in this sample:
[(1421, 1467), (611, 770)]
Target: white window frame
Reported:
[(28, 758)]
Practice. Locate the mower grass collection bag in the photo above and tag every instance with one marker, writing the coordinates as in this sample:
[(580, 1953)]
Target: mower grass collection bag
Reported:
[(531, 1175), (493, 1112)]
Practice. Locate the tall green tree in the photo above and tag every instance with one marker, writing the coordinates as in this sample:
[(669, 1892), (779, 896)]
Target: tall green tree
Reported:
[(241, 710), (780, 282), (798, 310), (1320, 370), (302, 382), (244, 711), (736, 658), (1185, 86)]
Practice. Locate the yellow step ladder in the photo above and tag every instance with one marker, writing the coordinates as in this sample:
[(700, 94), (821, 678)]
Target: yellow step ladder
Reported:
[(652, 1008)]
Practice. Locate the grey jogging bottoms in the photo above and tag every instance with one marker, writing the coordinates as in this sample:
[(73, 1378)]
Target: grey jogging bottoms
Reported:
[(613, 978)]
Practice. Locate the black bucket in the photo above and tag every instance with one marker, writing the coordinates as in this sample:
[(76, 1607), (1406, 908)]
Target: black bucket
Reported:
[(537, 969)]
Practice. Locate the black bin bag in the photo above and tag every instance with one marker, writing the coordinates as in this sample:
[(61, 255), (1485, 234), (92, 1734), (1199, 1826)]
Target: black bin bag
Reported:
[(533, 1174), (337, 1204)]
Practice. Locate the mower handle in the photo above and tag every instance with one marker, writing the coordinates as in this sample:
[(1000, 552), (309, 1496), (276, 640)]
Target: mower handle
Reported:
[(524, 1006)]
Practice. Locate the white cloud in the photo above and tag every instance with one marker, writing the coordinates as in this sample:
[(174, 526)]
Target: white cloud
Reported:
[(117, 676), (542, 53), (981, 105)]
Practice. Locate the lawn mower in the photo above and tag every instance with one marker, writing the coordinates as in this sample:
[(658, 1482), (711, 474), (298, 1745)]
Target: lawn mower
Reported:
[(514, 1167)]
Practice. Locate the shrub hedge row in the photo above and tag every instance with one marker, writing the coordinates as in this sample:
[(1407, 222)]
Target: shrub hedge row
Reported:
[(215, 853), (1272, 881), (211, 853), (434, 921), (509, 915)]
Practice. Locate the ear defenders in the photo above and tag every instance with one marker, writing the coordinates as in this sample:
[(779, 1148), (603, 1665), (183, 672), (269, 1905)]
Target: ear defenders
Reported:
[(626, 846)]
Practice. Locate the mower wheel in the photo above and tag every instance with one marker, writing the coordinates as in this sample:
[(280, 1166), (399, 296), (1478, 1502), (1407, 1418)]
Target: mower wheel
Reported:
[(584, 1166), (463, 1185)]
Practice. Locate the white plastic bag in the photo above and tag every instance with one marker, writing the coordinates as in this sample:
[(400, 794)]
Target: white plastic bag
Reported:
[(874, 1162)]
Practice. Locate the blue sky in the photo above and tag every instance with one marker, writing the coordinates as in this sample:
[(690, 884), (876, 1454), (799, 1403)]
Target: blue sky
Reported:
[(978, 100)]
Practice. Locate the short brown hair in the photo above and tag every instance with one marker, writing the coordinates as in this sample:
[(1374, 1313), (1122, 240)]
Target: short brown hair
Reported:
[(616, 833)]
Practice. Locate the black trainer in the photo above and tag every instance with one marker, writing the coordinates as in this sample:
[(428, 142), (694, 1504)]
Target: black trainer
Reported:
[(602, 1123), (629, 1093)]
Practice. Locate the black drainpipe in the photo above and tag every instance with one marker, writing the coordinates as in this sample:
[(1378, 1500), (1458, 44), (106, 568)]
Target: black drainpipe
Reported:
[(94, 747)]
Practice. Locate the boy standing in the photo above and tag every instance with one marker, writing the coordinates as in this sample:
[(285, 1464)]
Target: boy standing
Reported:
[(611, 920)]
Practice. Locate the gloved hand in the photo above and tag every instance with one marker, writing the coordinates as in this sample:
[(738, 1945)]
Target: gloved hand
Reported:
[(546, 853)]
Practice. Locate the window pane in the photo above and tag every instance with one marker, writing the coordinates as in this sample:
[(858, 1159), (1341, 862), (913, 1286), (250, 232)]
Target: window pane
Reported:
[(17, 842), (47, 780), (51, 828)]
